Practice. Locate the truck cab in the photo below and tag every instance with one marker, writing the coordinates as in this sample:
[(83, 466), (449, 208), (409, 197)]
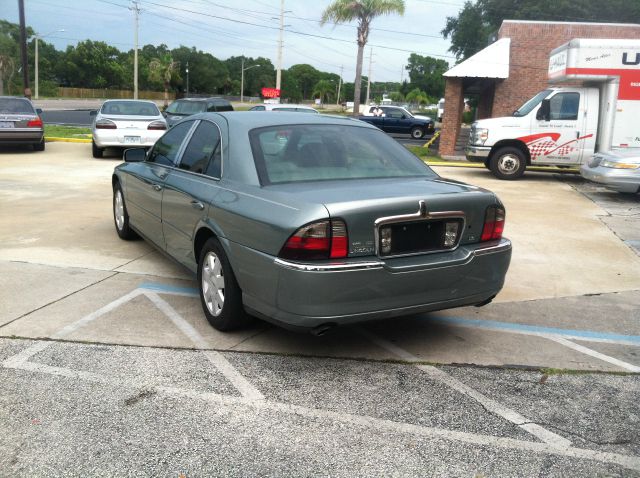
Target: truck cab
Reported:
[(565, 126), (557, 126)]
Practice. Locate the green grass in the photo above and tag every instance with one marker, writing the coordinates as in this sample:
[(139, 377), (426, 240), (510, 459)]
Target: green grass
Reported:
[(424, 153), (58, 131)]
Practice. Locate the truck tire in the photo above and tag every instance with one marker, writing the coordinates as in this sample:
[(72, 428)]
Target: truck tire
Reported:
[(417, 132), (508, 163)]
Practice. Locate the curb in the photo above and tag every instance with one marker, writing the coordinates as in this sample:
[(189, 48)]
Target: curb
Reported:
[(51, 139)]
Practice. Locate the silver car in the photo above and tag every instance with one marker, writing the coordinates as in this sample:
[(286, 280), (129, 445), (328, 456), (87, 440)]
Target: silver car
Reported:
[(20, 123), (309, 221), (125, 124), (619, 170)]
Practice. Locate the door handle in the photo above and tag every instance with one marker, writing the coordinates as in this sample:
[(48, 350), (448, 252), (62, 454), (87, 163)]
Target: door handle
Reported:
[(157, 187), (197, 205), (577, 134)]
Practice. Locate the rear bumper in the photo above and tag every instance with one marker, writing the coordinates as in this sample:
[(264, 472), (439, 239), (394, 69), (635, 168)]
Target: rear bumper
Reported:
[(620, 180), (21, 136), (309, 295), (477, 153), (115, 138)]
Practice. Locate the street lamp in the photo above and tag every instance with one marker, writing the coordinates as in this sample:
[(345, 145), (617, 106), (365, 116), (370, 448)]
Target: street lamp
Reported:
[(37, 37), (242, 79)]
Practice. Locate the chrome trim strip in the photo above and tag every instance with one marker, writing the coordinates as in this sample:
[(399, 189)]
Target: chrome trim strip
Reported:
[(503, 245), (344, 267), (421, 215)]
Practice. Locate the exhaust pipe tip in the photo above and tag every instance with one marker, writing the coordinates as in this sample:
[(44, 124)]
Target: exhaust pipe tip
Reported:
[(323, 328)]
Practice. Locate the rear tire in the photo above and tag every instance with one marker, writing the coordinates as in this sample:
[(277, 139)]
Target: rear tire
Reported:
[(39, 146), (220, 294), (417, 132), (508, 163), (97, 152)]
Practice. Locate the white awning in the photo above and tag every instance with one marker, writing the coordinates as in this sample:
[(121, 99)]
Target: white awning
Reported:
[(492, 62)]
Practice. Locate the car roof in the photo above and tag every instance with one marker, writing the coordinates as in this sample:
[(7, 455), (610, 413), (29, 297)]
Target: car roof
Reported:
[(260, 119), (216, 98), (129, 101)]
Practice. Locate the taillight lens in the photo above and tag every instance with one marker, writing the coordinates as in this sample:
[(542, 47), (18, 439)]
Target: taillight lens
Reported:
[(106, 124), (493, 224), (157, 125), (35, 123), (317, 241)]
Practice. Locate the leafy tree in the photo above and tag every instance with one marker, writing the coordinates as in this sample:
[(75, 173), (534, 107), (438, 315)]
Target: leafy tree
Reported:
[(93, 65), (307, 77), (396, 96), (164, 68), (325, 90), (364, 11), (470, 30), (255, 78), (425, 73), (417, 96), (289, 87)]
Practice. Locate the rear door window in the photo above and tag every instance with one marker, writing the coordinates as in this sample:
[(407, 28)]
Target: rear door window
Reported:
[(201, 150)]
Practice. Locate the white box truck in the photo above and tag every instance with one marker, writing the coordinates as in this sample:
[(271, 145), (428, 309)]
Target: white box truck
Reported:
[(565, 126)]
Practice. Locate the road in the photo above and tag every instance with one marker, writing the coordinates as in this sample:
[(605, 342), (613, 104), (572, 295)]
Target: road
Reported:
[(109, 367)]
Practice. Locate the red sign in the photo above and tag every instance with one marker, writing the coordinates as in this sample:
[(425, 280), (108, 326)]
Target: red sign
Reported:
[(271, 92)]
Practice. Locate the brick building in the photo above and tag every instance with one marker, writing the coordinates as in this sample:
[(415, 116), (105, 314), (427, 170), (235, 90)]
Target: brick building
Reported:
[(512, 69)]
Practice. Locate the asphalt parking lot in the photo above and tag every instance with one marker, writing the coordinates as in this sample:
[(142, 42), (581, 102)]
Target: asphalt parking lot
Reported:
[(109, 366)]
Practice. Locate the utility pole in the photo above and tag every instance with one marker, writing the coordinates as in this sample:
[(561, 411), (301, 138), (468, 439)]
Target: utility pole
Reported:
[(187, 93), (23, 51), (136, 13), (369, 77), (339, 85), (280, 45), (401, 74)]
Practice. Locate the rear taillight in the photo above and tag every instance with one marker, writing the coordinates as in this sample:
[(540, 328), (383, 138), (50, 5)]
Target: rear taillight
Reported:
[(493, 224), (157, 125), (317, 241), (35, 123), (106, 124)]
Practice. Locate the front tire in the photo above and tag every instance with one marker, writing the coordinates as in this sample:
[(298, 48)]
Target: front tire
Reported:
[(417, 132), (508, 163), (97, 152), (121, 216), (220, 293)]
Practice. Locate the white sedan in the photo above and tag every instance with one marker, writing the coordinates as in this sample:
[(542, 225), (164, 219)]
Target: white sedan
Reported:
[(125, 124)]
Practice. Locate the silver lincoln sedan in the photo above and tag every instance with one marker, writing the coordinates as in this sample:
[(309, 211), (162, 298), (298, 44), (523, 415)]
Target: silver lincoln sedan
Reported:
[(309, 221)]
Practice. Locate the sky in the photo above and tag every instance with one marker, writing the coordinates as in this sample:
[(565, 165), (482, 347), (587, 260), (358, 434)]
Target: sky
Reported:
[(227, 28)]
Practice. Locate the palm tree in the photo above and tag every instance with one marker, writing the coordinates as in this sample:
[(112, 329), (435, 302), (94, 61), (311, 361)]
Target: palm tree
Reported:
[(364, 11), (324, 89), (163, 69)]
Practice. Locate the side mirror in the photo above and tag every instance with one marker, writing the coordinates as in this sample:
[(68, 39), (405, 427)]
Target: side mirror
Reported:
[(134, 155), (544, 112), (164, 113), (39, 111), (93, 113)]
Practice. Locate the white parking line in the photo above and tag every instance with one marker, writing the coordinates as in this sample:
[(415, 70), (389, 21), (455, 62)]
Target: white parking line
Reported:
[(594, 353), (217, 359), (488, 403)]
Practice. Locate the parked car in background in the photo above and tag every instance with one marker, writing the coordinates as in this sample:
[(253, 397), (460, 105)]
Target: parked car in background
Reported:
[(309, 221), (394, 119), (20, 123), (125, 124), (617, 170), (285, 107), (184, 107)]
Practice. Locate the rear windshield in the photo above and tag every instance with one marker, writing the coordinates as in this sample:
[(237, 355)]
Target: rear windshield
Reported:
[(296, 153), (222, 106), (130, 108), (187, 107), (15, 105)]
